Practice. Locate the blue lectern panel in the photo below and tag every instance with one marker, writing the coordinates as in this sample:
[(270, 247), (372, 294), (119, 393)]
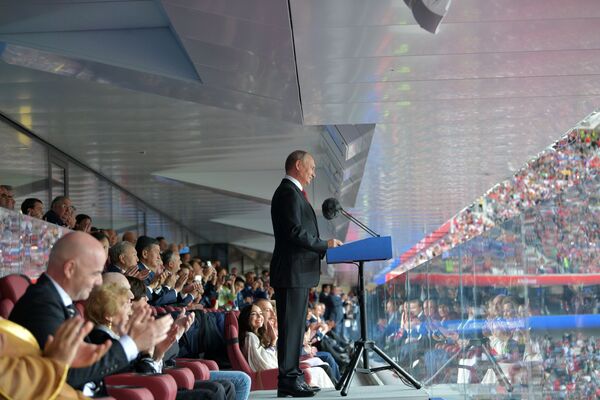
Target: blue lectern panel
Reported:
[(370, 249)]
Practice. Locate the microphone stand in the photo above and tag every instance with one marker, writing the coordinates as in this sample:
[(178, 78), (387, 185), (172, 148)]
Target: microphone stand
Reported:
[(357, 222), (363, 345)]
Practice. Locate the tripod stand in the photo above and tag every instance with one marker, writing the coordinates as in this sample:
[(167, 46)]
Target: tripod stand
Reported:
[(482, 343), (363, 345)]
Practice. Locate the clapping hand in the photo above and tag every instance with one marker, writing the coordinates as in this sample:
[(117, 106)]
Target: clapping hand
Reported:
[(67, 344), (135, 272)]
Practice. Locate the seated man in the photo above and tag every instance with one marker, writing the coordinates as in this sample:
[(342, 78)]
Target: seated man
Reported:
[(7, 197), (159, 282), (124, 259), (61, 212), (33, 207), (74, 267)]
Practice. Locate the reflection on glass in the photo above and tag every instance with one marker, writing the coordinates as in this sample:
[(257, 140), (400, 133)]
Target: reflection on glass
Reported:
[(512, 312), (25, 243)]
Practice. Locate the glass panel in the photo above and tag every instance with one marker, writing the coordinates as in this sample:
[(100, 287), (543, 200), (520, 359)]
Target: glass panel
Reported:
[(124, 212), (24, 166), (58, 175), (25, 243), (90, 195), (517, 306)]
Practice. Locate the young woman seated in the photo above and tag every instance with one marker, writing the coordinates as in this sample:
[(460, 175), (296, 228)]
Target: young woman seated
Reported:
[(259, 345)]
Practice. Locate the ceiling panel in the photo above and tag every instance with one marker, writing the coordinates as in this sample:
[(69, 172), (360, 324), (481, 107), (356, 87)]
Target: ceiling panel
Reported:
[(128, 136), (456, 112)]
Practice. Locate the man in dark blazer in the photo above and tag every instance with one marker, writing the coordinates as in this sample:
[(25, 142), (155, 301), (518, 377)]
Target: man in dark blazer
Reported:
[(74, 268), (295, 267)]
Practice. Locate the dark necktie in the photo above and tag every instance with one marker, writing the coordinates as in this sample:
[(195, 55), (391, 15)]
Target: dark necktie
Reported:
[(71, 310)]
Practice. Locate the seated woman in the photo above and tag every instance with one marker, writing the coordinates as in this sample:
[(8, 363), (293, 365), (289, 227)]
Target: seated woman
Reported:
[(258, 341), (109, 308)]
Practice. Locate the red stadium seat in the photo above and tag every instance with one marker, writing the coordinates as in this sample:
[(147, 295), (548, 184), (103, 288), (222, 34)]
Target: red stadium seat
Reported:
[(183, 377), (199, 369), (6, 307), (129, 393), (162, 386), (12, 287), (210, 364)]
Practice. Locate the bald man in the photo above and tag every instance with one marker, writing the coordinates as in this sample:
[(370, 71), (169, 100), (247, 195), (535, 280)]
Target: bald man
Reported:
[(130, 237), (74, 268)]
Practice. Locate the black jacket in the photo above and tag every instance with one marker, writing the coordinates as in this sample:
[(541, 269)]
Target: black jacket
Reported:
[(298, 249), (41, 310)]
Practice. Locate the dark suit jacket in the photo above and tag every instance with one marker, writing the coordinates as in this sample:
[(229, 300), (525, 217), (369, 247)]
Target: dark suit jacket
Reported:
[(113, 268), (53, 217), (298, 249), (41, 310)]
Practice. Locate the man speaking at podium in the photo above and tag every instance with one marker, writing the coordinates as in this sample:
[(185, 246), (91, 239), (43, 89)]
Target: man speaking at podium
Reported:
[(295, 267)]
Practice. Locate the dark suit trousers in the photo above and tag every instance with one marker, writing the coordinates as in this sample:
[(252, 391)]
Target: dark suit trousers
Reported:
[(291, 321)]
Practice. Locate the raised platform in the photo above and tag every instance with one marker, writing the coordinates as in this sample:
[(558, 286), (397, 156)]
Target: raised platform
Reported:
[(382, 392)]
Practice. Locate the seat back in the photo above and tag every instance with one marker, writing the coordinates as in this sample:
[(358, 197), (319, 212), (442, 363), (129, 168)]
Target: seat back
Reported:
[(236, 357), (129, 393), (162, 386), (12, 287), (231, 319), (184, 377), (200, 371)]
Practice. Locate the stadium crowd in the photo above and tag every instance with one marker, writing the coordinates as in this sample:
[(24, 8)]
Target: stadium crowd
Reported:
[(571, 166)]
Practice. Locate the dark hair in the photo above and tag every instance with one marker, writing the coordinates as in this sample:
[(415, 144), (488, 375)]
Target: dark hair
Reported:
[(144, 243), (294, 156), (81, 217), (159, 238), (29, 203), (244, 325), (99, 235), (239, 279), (167, 256), (138, 288)]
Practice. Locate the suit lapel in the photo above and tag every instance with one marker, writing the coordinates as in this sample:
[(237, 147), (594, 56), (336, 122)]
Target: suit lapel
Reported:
[(45, 281), (306, 202)]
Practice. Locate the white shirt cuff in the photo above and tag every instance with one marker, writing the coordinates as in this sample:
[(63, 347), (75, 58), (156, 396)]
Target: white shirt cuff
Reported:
[(130, 348)]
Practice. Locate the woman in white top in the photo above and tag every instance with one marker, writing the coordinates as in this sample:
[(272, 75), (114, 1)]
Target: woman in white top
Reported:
[(259, 345)]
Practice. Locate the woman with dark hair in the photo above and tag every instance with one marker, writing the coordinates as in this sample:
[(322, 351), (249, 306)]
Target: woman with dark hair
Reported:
[(83, 223), (259, 345)]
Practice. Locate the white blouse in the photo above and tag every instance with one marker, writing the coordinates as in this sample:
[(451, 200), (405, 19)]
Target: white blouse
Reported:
[(261, 358)]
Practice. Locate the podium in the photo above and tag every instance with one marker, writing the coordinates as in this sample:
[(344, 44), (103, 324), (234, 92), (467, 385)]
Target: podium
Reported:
[(358, 252)]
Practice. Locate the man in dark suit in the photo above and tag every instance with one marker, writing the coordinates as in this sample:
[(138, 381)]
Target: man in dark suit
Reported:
[(74, 268), (295, 267)]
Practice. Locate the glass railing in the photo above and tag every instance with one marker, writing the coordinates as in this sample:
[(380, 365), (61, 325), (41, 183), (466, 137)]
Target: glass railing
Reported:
[(512, 313), (25, 243)]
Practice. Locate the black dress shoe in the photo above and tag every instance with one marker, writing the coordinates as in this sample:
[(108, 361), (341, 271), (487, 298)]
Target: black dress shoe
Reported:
[(306, 386), (296, 391)]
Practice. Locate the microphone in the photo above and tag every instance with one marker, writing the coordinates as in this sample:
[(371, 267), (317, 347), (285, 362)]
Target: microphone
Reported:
[(331, 207)]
